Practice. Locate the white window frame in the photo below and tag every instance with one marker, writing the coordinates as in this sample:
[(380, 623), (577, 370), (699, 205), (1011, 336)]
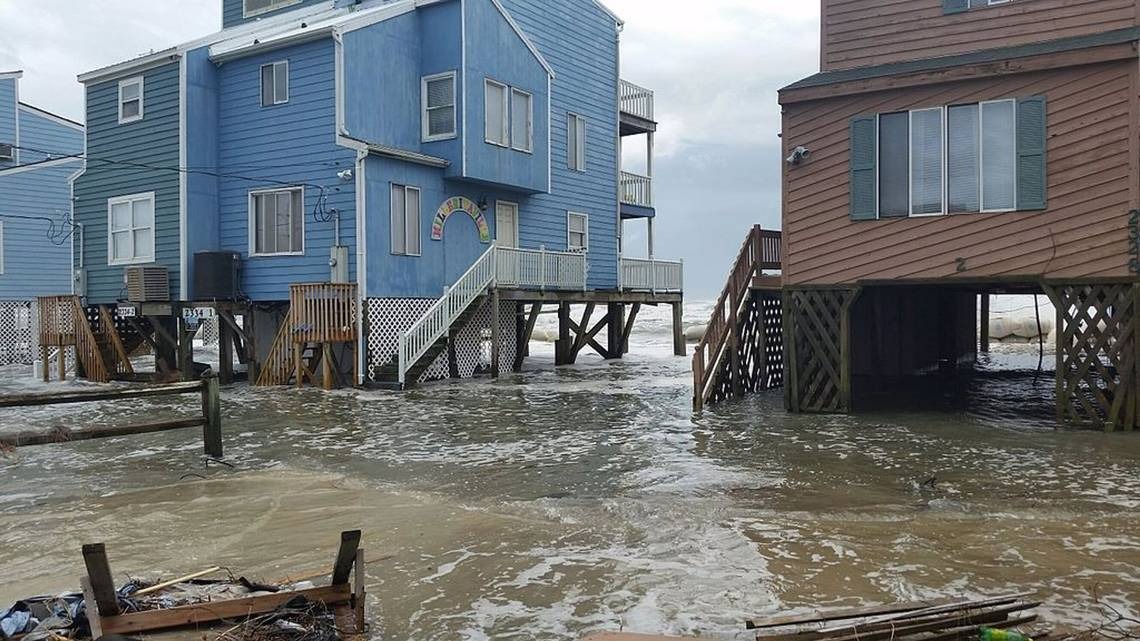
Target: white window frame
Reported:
[(528, 147), (585, 231), (425, 111), (982, 157), (253, 221), (135, 259), (578, 162), (277, 100), (910, 162), (506, 141), (274, 6), (417, 216), (139, 80)]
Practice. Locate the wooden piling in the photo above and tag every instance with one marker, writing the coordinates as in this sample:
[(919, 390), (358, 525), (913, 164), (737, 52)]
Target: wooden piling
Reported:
[(679, 346), (212, 413), (102, 582), (616, 323), (496, 333), (563, 345), (226, 336), (984, 323)]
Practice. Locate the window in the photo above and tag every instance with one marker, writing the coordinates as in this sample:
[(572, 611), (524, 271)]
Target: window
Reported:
[(522, 120), (577, 231), (958, 159), (252, 8), (405, 220), (275, 84), (438, 99), (277, 222), (576, 142), (496, 114), (130, 100), (130, 220)]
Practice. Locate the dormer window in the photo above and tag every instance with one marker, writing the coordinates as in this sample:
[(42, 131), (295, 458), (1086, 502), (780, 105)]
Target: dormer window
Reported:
[(251, 8), (130, 100)]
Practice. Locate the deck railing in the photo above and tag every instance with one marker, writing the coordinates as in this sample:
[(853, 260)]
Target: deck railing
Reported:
[(652, 275), (540, 269), (636, 189), (323, 312), (636, 101), (435, 323)]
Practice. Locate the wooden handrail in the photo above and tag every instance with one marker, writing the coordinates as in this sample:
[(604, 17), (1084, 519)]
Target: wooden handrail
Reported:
[(761, 250)]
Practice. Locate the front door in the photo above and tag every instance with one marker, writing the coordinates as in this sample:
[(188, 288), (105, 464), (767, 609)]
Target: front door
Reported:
[(506, 224)]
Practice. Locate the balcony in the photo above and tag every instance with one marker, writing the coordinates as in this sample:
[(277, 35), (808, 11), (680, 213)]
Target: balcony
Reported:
[(651, 275), (539, 269), (636, 109), (636, 190)]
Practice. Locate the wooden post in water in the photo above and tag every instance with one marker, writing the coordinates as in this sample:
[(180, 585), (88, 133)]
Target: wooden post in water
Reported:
[(679, 347), (226, 337), (212, 413), (102, 582), (614, 326), (984, 323), (563, 344), (496, 333)]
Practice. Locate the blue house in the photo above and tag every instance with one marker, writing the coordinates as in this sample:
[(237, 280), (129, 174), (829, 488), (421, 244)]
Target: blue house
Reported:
[(434, 171), (39, 153)]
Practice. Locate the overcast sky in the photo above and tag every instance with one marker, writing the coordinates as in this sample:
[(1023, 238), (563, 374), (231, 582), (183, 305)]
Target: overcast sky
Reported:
[(714, 64)]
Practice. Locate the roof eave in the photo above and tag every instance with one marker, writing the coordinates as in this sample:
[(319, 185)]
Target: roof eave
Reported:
[(130, 67)]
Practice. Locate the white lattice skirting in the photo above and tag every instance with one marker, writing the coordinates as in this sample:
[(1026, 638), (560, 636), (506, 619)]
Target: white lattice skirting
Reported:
[(19, 332), (389, 317)]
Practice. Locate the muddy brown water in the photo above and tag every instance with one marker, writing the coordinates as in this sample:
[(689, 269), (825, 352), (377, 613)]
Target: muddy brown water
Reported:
[(589, 498)]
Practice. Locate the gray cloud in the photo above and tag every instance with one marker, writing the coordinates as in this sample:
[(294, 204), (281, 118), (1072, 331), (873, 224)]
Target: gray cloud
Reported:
[(715, 66)]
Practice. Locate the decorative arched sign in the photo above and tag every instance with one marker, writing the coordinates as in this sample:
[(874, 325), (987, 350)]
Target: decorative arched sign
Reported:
[(465, 205)]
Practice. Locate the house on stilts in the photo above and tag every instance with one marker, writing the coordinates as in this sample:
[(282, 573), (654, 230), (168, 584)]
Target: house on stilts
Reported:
[(949, 150), (39, 154), (365, 192)]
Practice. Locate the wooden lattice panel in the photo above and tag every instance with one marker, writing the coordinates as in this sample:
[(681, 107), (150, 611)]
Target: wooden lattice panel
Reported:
[(759, 359), (19, 333), (819, 379), (1097, 360)]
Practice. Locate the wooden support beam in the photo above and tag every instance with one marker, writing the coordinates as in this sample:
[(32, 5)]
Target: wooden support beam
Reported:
[(580, 331), (226, 344), (563, 344), (327, 376), (633, 312), (679, 346), (94, 621), (496, 333), (212, 413), (102, 582), (185, 348), (734, 372), (616, 314), (984, 323), (345, 556), (589, 338)]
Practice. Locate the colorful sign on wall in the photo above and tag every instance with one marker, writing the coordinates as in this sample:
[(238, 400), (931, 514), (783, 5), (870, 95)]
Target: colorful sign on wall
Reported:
[(465, 205)]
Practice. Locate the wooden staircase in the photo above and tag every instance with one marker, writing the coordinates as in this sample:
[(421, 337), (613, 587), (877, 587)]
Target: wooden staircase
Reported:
[(320, 321), (64, 323), (742, 346), (388, 376)]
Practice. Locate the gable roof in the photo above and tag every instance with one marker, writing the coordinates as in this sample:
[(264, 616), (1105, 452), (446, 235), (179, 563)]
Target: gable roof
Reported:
[(522, 36)]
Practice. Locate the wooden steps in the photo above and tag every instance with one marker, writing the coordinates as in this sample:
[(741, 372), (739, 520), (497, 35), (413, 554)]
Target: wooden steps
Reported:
[(319, 317), (388, 376)]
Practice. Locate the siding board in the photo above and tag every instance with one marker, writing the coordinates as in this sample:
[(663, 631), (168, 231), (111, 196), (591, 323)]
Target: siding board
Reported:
[(1089, 189)]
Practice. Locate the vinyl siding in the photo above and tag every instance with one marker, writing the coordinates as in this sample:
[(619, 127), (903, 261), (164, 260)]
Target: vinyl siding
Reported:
[(233, 15), (153, 142), (580, 42), (34, 264), (858, 33), (1091, 180), (38, 132), (201, 152), (294, 143), (8, 94)]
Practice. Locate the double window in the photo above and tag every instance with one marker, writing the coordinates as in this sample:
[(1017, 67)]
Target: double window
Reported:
[(405, 220), (956, 159), (130, 222), (438, 100), (275, 83), (252, 8), (577, 231), (130, 100), (509, 115), (576, 142), (277, 222)]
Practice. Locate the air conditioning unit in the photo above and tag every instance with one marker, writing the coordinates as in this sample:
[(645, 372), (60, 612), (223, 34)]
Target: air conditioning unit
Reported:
[(7, 152), (217, 276), (148, 284)]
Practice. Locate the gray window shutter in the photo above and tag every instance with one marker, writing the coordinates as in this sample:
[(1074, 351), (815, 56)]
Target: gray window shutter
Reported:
[(864, 186), (955, 6), (1031, 174)]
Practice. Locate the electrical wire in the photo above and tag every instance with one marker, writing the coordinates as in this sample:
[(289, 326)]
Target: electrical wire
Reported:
[(59, 231)]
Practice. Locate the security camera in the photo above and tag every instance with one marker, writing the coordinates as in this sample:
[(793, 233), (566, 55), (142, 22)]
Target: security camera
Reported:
[(345, 175), (799, 154)]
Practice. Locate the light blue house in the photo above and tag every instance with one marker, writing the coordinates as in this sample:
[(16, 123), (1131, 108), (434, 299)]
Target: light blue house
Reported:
[(38, 156), (433, 153)]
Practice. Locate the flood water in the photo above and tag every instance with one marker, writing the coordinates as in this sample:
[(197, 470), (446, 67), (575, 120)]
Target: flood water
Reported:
[(559, 502)]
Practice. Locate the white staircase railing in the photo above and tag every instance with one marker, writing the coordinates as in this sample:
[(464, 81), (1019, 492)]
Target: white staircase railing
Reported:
[(432, 326)]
